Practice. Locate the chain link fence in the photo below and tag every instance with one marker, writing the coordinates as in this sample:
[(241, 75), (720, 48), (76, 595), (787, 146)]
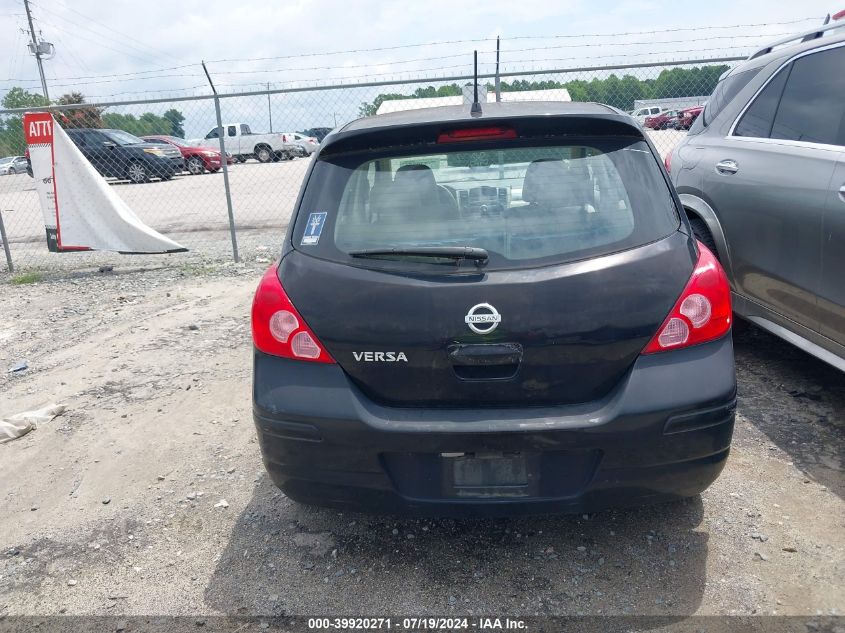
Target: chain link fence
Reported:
[(177, 185)]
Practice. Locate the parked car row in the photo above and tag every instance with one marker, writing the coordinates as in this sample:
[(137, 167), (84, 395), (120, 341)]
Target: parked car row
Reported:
[(244, 144), (196, 159), (761, 176), (119, 154), (673, 119), (12, 165)]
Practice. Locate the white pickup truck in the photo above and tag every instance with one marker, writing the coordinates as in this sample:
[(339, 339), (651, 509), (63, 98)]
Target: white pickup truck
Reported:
[(242, 143)]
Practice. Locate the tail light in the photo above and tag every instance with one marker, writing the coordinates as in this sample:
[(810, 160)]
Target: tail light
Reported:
[(702, 312), (667, 162), (838, 15), (278, 329)]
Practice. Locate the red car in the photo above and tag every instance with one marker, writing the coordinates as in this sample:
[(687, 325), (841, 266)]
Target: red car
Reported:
[(662, 121), (687, 117), (197, 159)]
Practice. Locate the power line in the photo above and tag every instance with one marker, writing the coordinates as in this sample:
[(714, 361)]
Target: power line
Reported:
[(130, 74), (125, 45), (466, 66), (152, 75), (79, 61), (677, 30), (490, 39), (107, 27), (87, 39), (109, 81), (514, 50), (136, 74)]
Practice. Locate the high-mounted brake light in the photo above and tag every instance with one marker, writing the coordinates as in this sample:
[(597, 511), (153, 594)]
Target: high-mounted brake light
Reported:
[(278, 329), (703, 311), (476, 134)]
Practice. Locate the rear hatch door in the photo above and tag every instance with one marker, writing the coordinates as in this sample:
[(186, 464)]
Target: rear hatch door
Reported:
[(585, 260)]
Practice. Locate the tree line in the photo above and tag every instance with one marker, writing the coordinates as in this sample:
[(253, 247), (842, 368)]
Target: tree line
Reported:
[(12, 142), (613, 90)]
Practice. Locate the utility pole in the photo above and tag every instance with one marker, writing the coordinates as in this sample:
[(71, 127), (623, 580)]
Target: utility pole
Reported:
[(36, 50), (498, 81), (269, 109)]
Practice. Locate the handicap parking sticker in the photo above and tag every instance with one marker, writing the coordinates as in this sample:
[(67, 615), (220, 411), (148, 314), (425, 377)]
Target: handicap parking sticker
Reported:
[(314, 228)]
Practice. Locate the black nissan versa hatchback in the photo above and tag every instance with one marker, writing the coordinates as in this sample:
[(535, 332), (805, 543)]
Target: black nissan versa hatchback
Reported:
[(488, 315)]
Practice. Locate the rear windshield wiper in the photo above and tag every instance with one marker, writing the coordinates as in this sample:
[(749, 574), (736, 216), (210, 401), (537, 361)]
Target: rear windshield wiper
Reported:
[(457, 253)]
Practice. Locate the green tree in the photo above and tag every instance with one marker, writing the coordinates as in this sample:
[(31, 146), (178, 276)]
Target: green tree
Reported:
[(84, 116), (147, 123), (176, 119), (612, 90), (20, 98), (12, 142)]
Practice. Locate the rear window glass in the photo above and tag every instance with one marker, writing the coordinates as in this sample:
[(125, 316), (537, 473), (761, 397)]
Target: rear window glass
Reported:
[(724, 93), (525, 205)]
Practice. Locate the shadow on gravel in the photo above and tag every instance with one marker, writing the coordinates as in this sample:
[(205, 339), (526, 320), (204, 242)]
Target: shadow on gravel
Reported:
[(285, 559), (796, 400)]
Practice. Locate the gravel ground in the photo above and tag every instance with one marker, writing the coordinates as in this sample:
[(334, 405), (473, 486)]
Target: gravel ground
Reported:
[(148, 495)]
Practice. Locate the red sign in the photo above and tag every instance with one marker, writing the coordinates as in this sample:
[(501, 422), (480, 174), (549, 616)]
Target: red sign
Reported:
[(38, 127)]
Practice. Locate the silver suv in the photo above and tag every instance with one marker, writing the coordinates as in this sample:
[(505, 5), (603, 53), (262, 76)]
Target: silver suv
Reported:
[(762, 178)]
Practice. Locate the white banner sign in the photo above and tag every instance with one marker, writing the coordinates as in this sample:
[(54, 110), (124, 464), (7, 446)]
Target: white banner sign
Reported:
[(81, 211)]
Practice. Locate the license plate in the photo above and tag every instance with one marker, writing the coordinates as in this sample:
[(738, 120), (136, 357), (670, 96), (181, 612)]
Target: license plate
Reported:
[(485, 475)]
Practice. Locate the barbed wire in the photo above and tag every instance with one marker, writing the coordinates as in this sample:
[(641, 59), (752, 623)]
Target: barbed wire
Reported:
[(440, 43)]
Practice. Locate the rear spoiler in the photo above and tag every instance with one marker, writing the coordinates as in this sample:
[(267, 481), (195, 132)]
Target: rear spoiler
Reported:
[(805, 36), (533, 127)]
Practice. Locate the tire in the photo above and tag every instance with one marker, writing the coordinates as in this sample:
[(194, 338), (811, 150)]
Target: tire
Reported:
[(195, 166), (263, 154), (137, 173), (702, 234), (240, 159)]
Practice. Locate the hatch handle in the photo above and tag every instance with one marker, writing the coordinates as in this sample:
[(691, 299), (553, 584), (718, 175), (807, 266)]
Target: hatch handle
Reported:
[(486, 354)]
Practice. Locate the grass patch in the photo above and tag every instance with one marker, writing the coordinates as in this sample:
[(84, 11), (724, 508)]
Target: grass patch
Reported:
[(26, 278)]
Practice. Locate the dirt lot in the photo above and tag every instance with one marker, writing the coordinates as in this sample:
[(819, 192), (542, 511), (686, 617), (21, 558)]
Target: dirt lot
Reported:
[(116, 506)]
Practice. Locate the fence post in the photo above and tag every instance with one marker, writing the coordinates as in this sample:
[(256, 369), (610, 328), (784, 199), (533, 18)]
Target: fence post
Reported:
[(498, 78), (5, 241), (225, 164)]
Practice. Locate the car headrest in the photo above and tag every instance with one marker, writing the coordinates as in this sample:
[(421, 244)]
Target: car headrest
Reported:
[(415, 175), (547, 181)]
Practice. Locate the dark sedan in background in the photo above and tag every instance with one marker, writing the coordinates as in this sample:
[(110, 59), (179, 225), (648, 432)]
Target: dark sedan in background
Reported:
[(118, 154)]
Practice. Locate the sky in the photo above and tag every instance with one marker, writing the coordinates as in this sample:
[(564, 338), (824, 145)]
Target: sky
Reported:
[(122, 50)]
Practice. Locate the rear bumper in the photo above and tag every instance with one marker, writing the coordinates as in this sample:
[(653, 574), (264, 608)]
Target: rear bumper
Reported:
[(663, 433)]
